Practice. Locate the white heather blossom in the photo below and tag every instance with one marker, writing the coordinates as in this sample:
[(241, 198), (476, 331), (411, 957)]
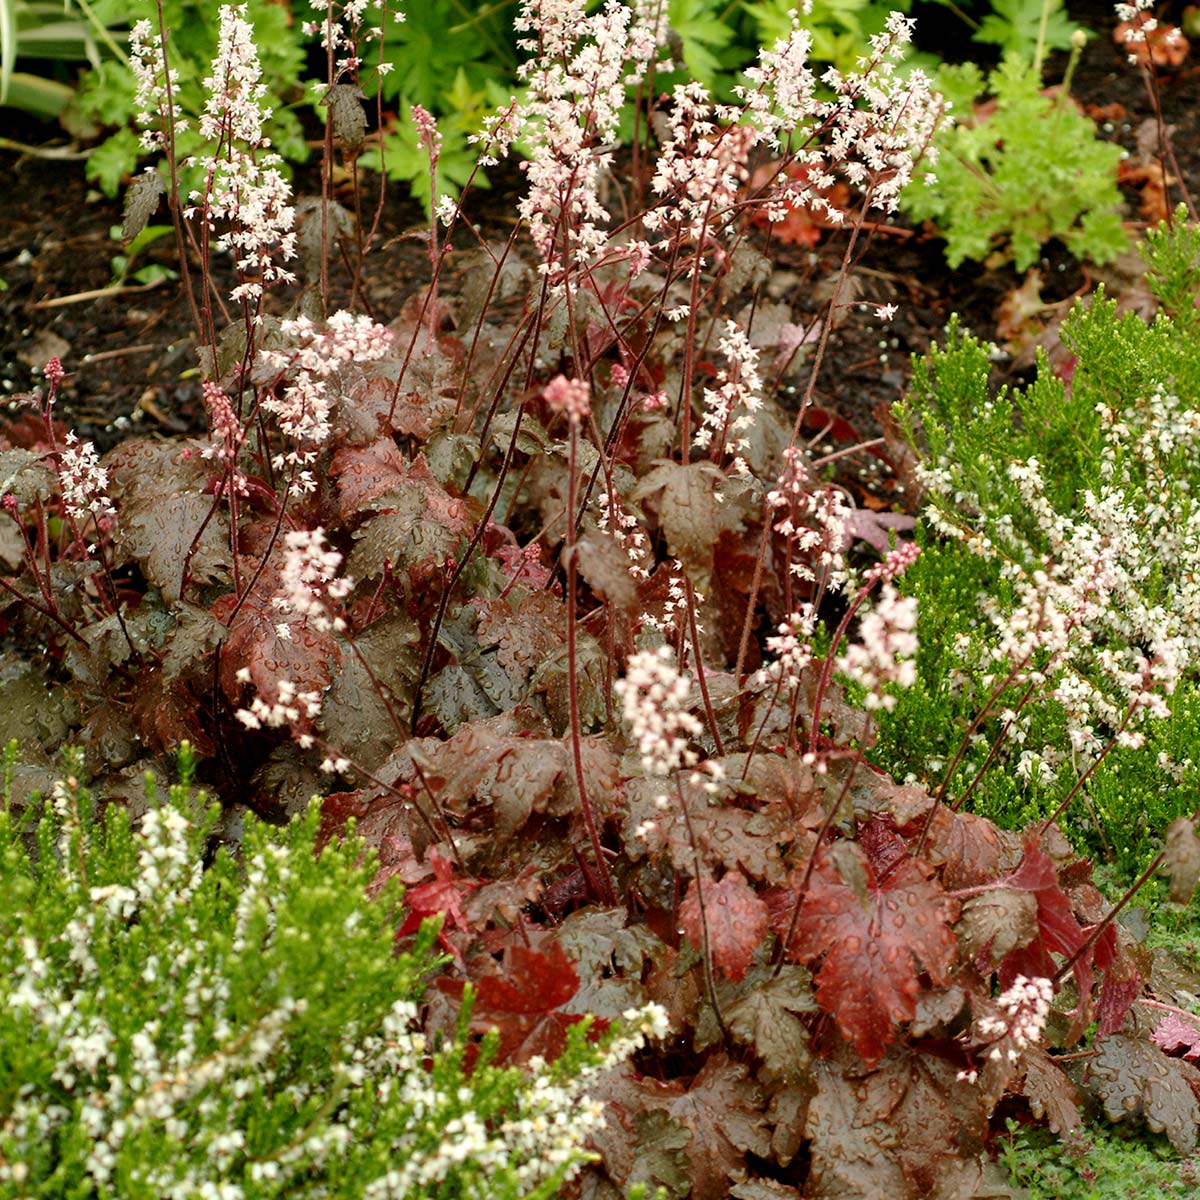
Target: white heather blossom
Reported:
[(655, 701), (203, 1045), (1082, 623)]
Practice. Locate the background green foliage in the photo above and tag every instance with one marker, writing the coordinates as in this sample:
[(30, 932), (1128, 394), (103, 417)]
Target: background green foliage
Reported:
[(457, 58), (1031, 170), (1101, 1162)]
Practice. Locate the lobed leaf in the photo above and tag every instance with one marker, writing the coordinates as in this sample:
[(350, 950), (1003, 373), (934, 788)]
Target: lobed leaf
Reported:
[(873, 938), (734, 917)]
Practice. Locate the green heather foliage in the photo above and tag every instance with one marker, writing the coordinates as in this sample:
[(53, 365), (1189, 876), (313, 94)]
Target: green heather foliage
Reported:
[(1022, 480), (241, 1028), (1030, 170)]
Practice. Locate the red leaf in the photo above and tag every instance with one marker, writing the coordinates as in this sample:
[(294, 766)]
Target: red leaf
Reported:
[(364, 474), (522, 1004), (443, 895), (736, 918), (542, 980), (1122, 982), (970, 850), (1059, 930), (1174, 1033), (872, 940), (307, 658), (883, 846)]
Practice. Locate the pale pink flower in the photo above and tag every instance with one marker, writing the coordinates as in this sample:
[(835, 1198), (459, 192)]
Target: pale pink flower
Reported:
[(149, 67), (309, 585), (883, 654), (1025, 1007), (729, 408), (244, 187), (303, 408), (572, 397)]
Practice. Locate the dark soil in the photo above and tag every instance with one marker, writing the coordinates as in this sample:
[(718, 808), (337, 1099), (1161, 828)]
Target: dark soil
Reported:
[(130, 356)]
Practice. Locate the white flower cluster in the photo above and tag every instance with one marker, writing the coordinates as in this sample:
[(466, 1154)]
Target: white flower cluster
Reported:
[(790, 649), (289, 707), (884, 652), (700, 170), (1026, 1005), (244, 188), (303, 408), (150, 72), (571, 397), (814, 517), (547, 1130), (655, 701), (674, 619), (83, 481), (309, 583), (343, 32), (730, 407), (575, 88), (874, 132), (627, 532)]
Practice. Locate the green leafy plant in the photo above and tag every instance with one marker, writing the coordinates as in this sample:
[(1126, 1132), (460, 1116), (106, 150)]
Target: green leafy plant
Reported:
[(106, 95), (242, 1026), (123, 264), (1021, 480), (51, 34), (1095, 1163), (1026, 29), (1022, 170)]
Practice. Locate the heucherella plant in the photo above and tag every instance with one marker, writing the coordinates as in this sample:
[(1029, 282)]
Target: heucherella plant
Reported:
[(176, 1026)]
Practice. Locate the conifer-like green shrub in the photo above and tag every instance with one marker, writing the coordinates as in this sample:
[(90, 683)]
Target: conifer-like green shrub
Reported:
[(1059, 587), (243, 1028)]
